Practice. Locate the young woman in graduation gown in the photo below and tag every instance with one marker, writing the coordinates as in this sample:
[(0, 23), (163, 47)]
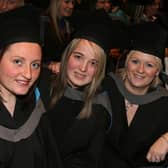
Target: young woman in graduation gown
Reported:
[(138, 136), (26, 139), (80, 112)]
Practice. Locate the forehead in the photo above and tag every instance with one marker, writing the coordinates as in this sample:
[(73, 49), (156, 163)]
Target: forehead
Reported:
[(15, 2), (24, 49), (68, 1), (141, 56), (87, 48), (101, 1), (22, 45)]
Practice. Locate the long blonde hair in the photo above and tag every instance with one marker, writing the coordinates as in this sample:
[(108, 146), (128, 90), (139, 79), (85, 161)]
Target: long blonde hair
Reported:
[(54, 13), (156, 81), (59, 83)]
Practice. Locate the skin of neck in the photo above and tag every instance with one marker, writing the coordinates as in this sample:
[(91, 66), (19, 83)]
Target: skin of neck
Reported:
[(9, 100)]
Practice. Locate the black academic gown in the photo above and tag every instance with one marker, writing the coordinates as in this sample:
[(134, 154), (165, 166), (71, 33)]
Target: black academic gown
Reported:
[(26, 139), (79, 141), (127, 146)]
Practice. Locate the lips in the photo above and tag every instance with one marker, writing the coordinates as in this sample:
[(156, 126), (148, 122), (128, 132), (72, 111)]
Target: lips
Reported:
[(138, 77), (23, 82), (79, 75)]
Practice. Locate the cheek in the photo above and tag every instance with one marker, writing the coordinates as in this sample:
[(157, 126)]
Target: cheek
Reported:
[(62, 9), (152, 73), (7, 70), (35, 74), (92, 72), (130, 68), (71, 64)]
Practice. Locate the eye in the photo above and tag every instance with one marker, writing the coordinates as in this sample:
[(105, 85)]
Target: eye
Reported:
[(68, 1), (77, 56), (12, 2), (94, 63), (149, 65), (17, 61), (134, 61), (36, 65)]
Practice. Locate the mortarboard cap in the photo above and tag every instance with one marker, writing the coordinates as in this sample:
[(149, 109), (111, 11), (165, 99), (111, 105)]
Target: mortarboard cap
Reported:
[(110, 33), (107, 36), (149, 37), (20, 25), (97, 33)]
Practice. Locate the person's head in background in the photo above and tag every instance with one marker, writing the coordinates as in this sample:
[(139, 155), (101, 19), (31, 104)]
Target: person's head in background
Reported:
[(144, 63), (103, 4), (151, 9), (115, 4), (58, 11), (61, 8), (6, 5), (20, 51)]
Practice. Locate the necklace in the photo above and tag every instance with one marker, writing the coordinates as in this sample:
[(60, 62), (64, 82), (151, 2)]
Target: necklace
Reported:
[(128, 105), (131, 110)]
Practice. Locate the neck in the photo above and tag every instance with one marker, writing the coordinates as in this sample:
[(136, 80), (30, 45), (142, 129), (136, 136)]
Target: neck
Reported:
[(9, 100)]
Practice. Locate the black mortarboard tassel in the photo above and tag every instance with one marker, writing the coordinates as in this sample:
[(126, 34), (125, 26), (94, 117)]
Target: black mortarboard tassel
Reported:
[(20, 25)]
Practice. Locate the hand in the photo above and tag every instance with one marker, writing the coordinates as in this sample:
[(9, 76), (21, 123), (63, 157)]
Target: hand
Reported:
[(54, 67), (158, 150)]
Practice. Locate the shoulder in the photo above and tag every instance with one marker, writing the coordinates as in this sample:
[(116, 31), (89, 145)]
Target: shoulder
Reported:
[(102, 109)]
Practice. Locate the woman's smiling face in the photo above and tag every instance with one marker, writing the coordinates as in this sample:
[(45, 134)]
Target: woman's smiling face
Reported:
[(82, 65), (141, 70), (19, 68)]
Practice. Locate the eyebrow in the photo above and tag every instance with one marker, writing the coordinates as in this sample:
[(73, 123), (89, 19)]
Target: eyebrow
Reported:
[(76, 52)]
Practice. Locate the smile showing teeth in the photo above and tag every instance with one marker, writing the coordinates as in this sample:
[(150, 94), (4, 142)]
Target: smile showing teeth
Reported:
[(138, 76), (21, 82), (78, 75)]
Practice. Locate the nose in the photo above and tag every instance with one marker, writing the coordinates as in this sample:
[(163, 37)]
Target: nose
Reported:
[(83, 66), (71, 4), (141, 68), (157, 6), (27, 72)]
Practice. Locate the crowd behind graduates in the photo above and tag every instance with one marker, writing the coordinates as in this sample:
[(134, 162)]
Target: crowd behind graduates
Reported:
[(84, 113)]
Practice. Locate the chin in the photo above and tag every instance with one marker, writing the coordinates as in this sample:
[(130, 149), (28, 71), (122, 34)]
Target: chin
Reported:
[(21, 93)]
